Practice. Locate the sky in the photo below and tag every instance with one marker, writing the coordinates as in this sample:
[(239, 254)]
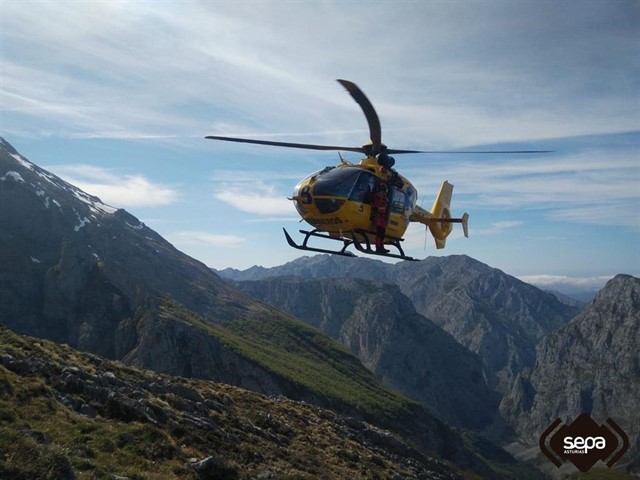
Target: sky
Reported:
[(116, 97)]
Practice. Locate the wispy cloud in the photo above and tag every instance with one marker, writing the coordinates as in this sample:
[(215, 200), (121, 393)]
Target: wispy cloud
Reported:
[(595, 187), (198, 238), (145, 69), (119, 190), (563, 282), (506, 224), (254, 197)]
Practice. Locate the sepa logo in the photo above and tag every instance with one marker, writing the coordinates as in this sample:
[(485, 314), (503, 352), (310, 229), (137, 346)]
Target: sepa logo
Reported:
[(584, 442)]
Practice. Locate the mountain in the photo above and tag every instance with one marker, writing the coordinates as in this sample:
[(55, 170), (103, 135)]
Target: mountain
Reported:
[(571, 301), (493, 314), (316, 266), (496, 315), (403, 349), (589, 366), (68, 415), (77, 271)]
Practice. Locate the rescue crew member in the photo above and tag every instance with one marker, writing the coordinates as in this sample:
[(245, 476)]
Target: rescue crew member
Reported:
[(380, 205)]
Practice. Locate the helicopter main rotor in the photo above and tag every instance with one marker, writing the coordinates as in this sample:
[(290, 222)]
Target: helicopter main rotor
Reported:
[(372, 149)]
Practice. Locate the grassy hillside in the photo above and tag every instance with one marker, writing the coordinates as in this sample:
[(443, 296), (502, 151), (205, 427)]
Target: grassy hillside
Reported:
[(65, 415), (307, 359)]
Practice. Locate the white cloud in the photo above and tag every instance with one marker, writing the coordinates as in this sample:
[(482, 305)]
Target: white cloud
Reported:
[(197, 238), (506, 224), (563, 282), (254, 197), (119, 190), (595, 187)]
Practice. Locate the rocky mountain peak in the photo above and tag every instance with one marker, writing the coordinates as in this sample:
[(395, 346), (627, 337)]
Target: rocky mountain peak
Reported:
[(588, 366), (620, 296)]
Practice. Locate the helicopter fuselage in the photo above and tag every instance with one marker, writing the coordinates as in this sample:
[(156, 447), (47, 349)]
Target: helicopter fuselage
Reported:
[(339, 200)]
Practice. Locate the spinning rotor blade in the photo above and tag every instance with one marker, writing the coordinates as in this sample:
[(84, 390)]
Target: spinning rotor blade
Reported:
[(307, 146), (396, 152), (390, 151), (375, 132)]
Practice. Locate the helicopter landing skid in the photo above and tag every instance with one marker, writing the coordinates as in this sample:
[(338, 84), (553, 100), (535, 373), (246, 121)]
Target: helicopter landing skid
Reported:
[(366, 248), (314, 233)]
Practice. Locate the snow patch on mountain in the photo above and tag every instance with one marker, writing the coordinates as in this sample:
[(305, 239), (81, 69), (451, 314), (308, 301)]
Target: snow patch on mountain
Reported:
[(14, 175), (140, 226), (96, 206)]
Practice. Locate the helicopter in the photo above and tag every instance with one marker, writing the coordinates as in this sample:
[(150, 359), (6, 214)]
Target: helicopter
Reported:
[(338, 201)]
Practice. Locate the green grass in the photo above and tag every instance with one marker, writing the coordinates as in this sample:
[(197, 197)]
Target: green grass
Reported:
[(305, 358), (43, 439)]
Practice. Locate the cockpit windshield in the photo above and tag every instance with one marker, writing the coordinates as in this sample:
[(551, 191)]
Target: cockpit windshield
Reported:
[(338, 182)]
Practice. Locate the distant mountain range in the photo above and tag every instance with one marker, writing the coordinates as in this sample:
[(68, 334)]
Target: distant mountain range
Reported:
[(402, 348), (493, 314), (77, 271)]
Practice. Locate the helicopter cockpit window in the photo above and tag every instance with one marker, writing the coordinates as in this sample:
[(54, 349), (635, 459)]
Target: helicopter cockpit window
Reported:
[(336, 183), (364, 188)]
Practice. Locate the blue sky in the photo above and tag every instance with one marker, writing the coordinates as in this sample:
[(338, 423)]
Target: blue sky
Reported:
[(117, 97)]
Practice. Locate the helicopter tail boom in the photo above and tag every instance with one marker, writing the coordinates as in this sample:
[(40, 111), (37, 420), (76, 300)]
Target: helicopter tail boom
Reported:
[(439, 220)]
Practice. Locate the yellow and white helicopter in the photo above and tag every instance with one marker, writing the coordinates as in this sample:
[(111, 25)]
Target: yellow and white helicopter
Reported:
[(338, 201)]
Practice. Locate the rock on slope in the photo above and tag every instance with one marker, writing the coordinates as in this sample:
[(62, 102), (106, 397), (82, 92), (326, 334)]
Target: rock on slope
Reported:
[(68, 415)]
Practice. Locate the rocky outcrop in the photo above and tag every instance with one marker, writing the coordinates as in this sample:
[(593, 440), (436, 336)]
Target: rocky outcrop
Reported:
[(491, 313), (402, 348), (589, 366)]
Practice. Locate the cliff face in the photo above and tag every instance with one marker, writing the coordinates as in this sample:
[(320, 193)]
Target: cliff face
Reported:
[(402, 348), (592, 365), (491, 313)]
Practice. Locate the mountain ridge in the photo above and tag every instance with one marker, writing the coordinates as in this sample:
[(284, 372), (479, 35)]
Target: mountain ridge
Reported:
[(491, 313)]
